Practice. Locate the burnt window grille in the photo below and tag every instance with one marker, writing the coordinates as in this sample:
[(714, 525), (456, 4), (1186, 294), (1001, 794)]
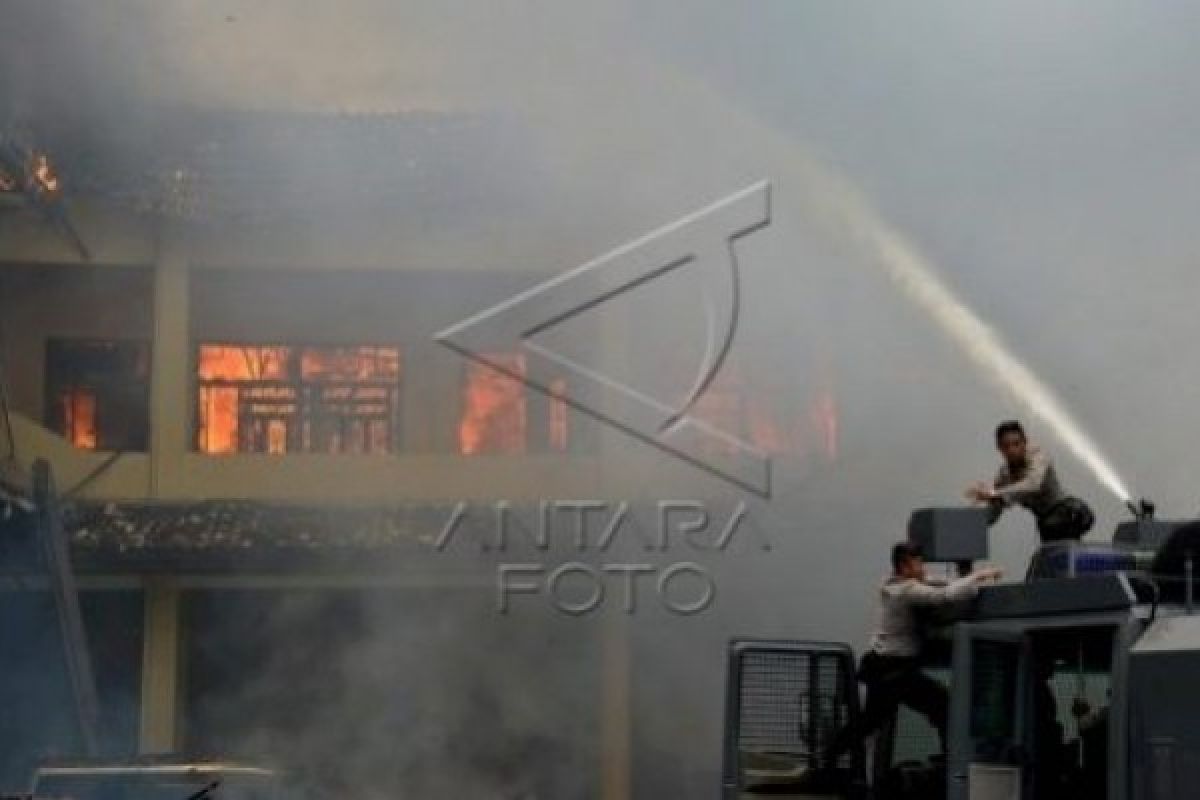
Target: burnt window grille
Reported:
[(297, 399)]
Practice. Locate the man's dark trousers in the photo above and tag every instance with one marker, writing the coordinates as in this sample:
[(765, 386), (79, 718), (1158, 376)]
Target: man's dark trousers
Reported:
[(1067, 520), (892, 681)]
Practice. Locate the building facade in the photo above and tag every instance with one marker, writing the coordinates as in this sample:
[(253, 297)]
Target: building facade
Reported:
[(227, 358)]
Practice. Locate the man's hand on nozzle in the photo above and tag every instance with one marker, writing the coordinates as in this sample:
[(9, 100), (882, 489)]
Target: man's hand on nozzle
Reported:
[(988, 574)]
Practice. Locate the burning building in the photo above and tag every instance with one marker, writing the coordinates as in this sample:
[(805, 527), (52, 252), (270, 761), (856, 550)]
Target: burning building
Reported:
[(256, 439)]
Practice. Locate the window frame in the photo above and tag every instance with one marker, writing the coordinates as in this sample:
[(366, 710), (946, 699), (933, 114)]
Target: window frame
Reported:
[(51, 389), (396, 439)]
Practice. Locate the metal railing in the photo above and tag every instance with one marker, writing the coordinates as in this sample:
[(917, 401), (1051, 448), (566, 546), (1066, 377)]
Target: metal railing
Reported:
[(785, 701)]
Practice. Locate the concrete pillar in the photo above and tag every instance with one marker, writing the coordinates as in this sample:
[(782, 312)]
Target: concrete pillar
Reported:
[(159, 728), (431, 387), (170, 375), (616, 702), (614, 450)]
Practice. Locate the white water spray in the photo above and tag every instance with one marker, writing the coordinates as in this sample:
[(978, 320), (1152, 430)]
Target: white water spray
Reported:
[(830, 200), (917, 278)]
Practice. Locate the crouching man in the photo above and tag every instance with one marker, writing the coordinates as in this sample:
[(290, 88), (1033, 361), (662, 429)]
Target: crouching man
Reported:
[(1027, 478)]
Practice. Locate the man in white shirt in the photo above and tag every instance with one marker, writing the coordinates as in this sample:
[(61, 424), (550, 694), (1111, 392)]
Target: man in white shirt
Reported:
[(1027, 478), (891, 667)]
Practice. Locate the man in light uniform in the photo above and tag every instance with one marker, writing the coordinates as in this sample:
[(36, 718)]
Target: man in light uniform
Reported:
[(1027, 478), (891, 668)]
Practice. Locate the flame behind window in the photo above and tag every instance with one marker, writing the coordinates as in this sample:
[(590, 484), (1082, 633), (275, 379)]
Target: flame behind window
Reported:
[(79, 414), (494, 415), (97, 392), (242, 363), (771, 421), (278, 399)]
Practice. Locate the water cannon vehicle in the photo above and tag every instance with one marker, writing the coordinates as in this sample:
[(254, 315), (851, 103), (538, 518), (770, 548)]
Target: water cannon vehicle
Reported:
[(1079, 681)]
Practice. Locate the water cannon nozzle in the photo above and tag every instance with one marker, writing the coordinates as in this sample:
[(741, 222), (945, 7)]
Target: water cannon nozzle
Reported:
[(1142, 510)]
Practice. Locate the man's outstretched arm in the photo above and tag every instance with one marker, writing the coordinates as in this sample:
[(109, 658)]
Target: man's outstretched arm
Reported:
[(1030, 483), (1003, 492), (924, 594), (983, 494)]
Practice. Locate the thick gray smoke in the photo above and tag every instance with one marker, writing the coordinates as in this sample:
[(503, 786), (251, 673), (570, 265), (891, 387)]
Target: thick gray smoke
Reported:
[(933, 166)]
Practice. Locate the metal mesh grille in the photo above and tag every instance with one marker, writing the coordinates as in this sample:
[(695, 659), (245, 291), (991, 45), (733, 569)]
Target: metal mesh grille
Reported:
[(790, 702)]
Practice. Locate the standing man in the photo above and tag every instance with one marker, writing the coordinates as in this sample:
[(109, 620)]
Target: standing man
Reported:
[(891, 667), (1027, 478)]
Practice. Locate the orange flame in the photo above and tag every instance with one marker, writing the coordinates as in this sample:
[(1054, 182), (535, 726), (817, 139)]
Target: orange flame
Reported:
[(494, 411), (79, 412), (42, 175), (265, 383)]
